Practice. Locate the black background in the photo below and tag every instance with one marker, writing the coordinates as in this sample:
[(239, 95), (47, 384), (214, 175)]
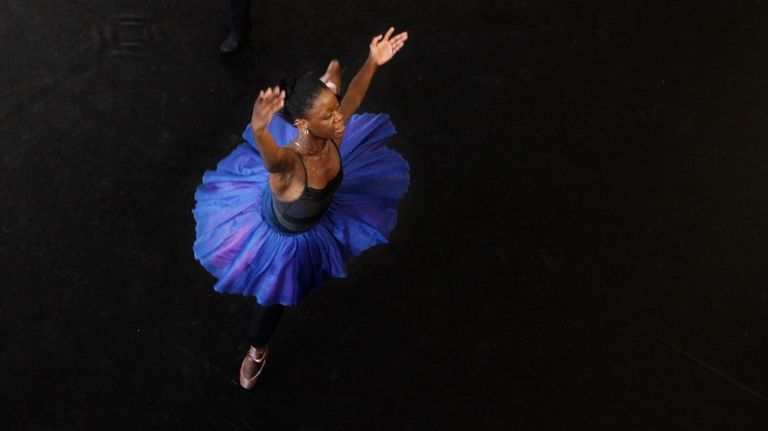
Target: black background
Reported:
[(583, 245)]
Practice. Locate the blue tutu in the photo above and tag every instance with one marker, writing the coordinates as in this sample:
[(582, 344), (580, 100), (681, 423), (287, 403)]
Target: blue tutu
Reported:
[(239, 246)]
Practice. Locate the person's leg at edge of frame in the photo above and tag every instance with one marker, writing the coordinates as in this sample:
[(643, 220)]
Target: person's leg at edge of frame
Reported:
[(240, 25)]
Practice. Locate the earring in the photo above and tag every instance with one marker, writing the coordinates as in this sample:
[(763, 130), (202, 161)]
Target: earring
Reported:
[(305, 131)]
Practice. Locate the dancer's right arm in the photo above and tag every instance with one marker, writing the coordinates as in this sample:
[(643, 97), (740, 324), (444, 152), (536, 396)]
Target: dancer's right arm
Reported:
[(276, 160)]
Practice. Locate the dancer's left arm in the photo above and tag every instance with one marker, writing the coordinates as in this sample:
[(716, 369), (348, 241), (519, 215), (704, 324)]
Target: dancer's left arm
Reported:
[(381, 50)]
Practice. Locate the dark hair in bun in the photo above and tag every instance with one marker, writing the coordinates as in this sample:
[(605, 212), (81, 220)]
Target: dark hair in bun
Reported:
[(299, 95)]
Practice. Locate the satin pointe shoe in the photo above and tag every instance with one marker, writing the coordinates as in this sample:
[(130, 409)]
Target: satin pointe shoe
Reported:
[(253, 364)]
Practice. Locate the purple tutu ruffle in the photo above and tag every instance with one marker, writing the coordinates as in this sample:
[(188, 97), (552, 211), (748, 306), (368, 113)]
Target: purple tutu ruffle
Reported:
[(238, 247)]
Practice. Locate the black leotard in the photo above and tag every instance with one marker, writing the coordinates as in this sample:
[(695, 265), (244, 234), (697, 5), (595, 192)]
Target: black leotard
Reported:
[(305, 211)]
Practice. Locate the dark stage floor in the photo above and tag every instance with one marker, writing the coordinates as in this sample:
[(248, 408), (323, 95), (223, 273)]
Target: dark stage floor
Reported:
[(583, 245)]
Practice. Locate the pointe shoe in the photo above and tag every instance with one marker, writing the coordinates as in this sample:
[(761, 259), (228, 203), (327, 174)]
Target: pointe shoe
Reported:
[(251, 368)]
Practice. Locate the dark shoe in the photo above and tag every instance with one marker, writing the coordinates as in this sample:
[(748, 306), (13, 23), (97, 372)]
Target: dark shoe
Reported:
[(232, 43), (251, 368)]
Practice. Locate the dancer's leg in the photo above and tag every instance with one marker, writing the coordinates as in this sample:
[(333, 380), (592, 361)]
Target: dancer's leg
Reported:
[(263, 324)]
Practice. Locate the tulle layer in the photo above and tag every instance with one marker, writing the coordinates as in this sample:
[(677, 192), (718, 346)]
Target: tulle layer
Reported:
[(238, 247)]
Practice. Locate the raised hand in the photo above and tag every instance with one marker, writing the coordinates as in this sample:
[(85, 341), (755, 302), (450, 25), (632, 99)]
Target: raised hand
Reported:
[(384, 47), (332, 77), (267, 104)]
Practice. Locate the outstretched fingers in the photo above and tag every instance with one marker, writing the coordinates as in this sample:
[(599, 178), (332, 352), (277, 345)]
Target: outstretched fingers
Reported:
[(276, 101), (269, 102), (396, 46), (400, 38), (376, 39), (389, 33)]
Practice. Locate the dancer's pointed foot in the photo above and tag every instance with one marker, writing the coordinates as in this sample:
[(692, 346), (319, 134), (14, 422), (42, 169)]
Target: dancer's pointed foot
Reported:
[(252, 365), (332, 77)]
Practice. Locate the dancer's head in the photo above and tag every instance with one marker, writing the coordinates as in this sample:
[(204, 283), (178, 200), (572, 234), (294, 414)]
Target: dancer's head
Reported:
[(310, 105)]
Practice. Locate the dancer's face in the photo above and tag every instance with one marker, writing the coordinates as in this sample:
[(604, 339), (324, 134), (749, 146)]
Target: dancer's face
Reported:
[(324, 119)]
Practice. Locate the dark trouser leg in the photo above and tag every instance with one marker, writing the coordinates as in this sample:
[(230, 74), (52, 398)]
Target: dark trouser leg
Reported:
[(240, 12), (263, 324)]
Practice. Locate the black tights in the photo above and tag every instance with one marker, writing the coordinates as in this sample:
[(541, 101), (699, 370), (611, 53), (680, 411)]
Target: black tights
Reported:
[(263, 324)]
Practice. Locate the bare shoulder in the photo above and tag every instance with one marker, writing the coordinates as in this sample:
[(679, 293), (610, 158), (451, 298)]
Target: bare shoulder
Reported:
[(290, 176), (285, 163)]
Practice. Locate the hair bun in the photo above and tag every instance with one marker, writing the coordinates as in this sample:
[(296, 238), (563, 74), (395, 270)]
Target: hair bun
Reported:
[(288, 85), (299, 96)]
